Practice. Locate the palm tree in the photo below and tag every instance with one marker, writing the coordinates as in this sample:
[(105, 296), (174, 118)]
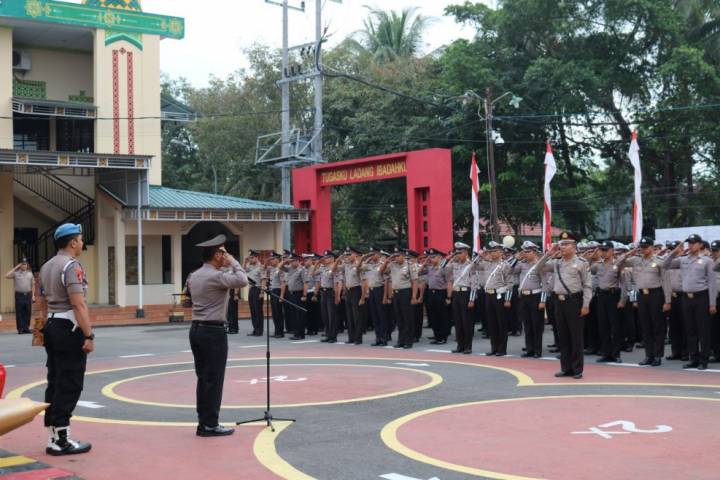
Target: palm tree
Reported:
[(389, 35)]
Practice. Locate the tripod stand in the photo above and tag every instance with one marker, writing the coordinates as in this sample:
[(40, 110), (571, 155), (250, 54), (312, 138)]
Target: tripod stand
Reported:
[(267, 417)]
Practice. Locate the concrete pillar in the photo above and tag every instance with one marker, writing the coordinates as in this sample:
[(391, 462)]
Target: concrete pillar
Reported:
[(7, 252), (6, 89), (101, 244), (176, 242), (120, 288)]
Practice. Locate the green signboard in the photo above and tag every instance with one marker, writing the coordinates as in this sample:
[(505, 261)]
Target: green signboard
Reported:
[(118, 20)]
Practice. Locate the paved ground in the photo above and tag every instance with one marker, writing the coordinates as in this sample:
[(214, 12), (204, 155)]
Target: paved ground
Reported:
[(365, 413)]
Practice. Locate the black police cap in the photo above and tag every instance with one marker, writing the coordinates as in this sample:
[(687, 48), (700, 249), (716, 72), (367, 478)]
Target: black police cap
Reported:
[(567, 236), (607, 245), (694, 238), (715, 245), (647, 242)]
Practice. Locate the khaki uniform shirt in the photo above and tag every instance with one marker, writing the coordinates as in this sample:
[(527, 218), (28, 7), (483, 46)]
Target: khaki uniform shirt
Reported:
[(574, 272), (60, 277), (255, 272), (530, 277), (209, 288), (649, 273), (437, 277), (351, 275), (23, 281), (500, 275), (698, 274), (294, 278), (371, 273), (401, 276), (461, 273)]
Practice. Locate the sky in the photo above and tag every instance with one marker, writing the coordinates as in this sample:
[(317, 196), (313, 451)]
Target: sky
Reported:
[(217, 31)]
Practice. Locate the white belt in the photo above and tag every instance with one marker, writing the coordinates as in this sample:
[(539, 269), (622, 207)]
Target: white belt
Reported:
[(68, 315), (531, 292)]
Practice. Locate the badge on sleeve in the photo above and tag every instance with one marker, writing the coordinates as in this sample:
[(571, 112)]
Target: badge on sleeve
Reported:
[(79, 274)]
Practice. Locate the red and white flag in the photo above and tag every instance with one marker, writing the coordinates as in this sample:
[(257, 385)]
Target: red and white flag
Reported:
[(474, 203), (550, 169), (634, 154)]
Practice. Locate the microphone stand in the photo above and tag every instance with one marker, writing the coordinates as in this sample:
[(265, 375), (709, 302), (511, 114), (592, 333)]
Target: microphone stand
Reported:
[(267, 416)]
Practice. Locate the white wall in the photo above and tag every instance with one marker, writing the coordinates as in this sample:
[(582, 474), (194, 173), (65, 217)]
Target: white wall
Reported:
[(65, 72)]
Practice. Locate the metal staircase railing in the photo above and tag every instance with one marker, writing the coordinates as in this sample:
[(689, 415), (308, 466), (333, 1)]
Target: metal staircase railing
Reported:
[(54, 190), (78, 207)]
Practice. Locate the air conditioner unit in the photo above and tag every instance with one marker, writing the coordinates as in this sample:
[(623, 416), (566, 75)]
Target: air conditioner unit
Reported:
[(21, 60)]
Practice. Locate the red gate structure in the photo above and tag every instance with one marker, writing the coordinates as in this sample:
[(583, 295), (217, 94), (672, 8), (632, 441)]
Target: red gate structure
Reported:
[(428, 175)]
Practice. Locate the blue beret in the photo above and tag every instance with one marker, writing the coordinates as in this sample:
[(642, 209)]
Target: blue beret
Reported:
[(67, 229)]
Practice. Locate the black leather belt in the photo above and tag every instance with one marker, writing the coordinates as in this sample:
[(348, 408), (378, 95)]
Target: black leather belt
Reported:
[(326, 289), (692, 295), (609, 290), (208, 323), (564, 296)]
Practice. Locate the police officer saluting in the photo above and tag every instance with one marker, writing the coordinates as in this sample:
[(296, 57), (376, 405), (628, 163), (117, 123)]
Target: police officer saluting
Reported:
[(572, 287), (68, 338), (254, 268), (529, 299), (699, 297), (209, 286), (24, 294)]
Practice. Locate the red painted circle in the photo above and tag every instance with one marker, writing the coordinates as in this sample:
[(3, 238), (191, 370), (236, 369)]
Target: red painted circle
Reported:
[(533, 437), (291, 384)]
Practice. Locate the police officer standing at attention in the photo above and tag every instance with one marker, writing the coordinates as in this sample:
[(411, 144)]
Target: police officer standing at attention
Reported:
[(369, 265), (68, 337), (678, 342), (254, 269), (572, 287), (275, 278), (295, 290), (354, 301), (528, 302), (24, 294), (210, 286), (498, 297), (459, 297), (437, 309), (610, 292), (402, 284), (699, 300), (329, 295), (653, 298)]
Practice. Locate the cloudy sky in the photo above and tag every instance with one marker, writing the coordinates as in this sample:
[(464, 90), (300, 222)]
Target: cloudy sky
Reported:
[(217, 31)]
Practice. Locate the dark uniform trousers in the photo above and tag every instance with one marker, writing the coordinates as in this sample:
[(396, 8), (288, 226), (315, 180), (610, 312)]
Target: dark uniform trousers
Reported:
[(533, 321), (210, 348), (592, 328), (678, 339), (438, 314), (630, 322), (376, 311), (329, 313), (232, 313), (256, 309), (403, 315), (550, 312), (277, 312), (66, 364), (652, 319), (515, 324), (313, 313), (696, 311), (610, 323), (297, 324), (355, 314), (418, 316), (481, 314), (570, 332), (496, 315), (464, 329), (23, 311)]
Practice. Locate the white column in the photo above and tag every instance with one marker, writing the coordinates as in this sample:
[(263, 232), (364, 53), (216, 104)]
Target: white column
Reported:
[(140, 312), (120, 288)]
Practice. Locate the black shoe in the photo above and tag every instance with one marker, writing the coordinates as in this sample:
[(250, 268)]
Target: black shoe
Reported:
[(456, 350), (673, 357), (640, 345), (324, 340), (590, 351), (691, 365), (438, 342), (563, 374), (295, 337), (216, 431), (61, 444), (467, 352), (407, 346), (232, 332), (489, 354), (537, 355), (398, 345), (358, 342), (656, 362), (577, 376), (553, 350), (499, 354), (702, 366), (431, 338), (604, 360), (252, 334), (332, 340), (278, 336), (552, 345), (527, 355), (628, 349), (646, 361), (685, 358)]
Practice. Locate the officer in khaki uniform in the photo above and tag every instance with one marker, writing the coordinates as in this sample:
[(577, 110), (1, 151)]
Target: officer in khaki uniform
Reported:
[(254, 268), (402, 284), (329, 295), (460, 297), (610, 291), (68, 337), (653, 298), (355, 311), (498, 296), (294, 290), (699, 297), (678, 340), (572, 288), (369, 265), (210, 286), (24, 294), (529, 298), (437, 310)]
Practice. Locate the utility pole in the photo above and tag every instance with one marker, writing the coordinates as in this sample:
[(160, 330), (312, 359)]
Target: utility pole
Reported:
[(285, 149), (490, 142), (318, 146)]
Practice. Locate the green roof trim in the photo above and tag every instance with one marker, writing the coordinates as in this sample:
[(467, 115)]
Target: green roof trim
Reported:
[(118, 20), (173, 199)]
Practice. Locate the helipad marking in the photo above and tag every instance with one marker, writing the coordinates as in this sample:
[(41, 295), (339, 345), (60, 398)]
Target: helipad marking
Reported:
[(438, 351), (266, 453), (185, 351), (305, 341), (389, 432), (87, 404), (397, 476), (408, 364), (613, 364), (138, 355), (252, 346), (435, 379)]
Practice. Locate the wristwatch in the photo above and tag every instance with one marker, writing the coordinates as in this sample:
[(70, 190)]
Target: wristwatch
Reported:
[(90, 337)]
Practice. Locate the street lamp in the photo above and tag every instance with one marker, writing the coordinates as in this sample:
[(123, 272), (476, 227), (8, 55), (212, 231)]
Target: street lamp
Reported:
[(491, 139)]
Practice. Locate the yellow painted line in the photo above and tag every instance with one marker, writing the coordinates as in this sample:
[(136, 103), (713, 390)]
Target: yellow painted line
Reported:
[(266, 453), (389, 432), (14, 461), (435, 379)]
